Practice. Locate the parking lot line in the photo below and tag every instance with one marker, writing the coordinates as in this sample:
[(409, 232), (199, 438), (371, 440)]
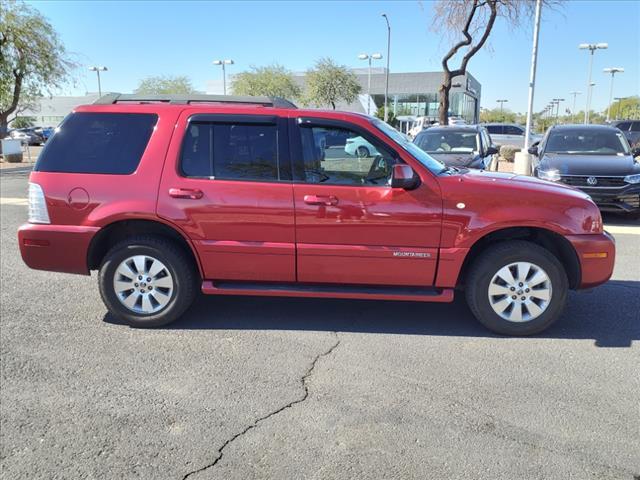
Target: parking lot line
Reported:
[(13, 201), (623, 229)]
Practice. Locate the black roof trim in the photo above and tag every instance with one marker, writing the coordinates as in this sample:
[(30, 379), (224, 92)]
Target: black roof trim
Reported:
[(113, 98)]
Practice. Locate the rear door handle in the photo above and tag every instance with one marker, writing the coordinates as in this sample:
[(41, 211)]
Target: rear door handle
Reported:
[(320, 200), (189, 193)]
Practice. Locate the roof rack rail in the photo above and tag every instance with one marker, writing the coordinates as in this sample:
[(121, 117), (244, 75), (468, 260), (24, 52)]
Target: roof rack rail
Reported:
[(112, 98)]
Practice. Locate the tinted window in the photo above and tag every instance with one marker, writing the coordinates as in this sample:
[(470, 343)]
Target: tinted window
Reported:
[(231, 151), (445, 141), (601, 142), (110, 143), (635, 126), (511, 130), (624, 126), (353, 160), (495, 129)]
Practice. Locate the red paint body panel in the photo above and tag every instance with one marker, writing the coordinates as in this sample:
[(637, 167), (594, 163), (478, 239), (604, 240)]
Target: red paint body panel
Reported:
[(210, 288), (265, 232), (595, 271), (59, 248)]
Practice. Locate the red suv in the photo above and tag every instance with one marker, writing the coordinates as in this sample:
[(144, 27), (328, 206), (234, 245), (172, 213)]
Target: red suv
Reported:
[(165, 196)]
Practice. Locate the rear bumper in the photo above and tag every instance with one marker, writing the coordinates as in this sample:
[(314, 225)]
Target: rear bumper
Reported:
[(57, 248), (597, 255)]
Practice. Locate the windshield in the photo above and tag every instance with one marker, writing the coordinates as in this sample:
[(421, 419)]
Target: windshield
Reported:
[(439, 141), (435, 166), (584, 142)]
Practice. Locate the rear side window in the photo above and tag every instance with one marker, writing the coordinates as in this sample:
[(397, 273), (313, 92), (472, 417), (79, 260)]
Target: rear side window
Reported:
[(495, 129), (231, 151), (107, 143)]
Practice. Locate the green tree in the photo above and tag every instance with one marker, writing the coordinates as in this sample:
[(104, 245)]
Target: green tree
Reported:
[(626, 108), (494, 115), (165, 84), (391, 120), (33, 60), (473, 20), (23, 122), (329, 83), (271, 81)]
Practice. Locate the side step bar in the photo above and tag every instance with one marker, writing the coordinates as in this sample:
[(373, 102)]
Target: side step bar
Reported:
[(368, 292)]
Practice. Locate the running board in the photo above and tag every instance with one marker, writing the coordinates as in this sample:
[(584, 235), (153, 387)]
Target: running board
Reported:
[(360, 292)]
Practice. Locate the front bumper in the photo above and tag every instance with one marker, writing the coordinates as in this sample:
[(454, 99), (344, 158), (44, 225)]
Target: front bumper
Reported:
[(597, 255), (57, 248), (624, 199)]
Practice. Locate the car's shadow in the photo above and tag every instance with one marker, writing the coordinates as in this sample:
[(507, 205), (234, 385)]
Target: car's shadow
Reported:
[(610, 315), (619, 220)]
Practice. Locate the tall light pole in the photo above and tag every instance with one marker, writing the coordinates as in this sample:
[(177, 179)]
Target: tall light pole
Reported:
[(557, 101), (617, 99), (612, 71), (386, 85), (532, 75), (370, 57), (573, 111), (592, 47), (98, 70), (502, 102), (224, 72)]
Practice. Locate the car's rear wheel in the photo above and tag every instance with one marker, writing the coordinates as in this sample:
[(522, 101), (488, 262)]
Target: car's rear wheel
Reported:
[(517, 288), (362, 152), (147, 281)]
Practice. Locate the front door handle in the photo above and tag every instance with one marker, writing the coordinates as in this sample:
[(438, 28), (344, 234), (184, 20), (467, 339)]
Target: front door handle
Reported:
[(189, 193), (320, 200)]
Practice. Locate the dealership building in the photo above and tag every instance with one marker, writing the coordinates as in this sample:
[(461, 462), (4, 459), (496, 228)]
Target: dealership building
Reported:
[(411, 95)]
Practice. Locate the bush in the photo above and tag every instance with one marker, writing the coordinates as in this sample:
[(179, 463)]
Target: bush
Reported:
[(508, 152), (14, 158)]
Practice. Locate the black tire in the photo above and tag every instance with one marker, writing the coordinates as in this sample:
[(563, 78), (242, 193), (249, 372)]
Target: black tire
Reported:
[(176, 260), (362, 152), (505, 253)]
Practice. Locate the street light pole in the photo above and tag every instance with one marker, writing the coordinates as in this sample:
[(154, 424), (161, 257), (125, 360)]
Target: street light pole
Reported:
[(532, 75), (612, 71), (224, 72), (386, 86), (557, 102), (573, 111), (502, 102), (98, 70), (370, 57), (592, 47), (617, 99)]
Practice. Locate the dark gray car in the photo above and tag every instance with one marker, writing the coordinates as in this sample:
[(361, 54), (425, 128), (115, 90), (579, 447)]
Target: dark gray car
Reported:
[(631, 130), (467, 146), (593, 158)]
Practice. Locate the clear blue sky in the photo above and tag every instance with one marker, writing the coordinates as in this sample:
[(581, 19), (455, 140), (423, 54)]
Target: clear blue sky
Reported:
[(138, 39)]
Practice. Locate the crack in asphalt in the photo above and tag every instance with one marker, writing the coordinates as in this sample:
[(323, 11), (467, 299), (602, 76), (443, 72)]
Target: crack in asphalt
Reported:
[(305, 395)]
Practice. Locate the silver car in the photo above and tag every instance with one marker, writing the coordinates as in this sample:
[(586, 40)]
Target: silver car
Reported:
[(510, 134)]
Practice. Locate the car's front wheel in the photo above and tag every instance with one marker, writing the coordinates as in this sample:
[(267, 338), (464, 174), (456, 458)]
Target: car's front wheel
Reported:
[(517, 288), (147, 281), (362, 152)]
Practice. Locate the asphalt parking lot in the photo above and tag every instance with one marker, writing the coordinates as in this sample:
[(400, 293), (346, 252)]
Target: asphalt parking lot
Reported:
[(245, 388)]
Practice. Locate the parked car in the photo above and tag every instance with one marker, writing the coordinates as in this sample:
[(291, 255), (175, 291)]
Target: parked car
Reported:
[(359, 147), (593, 158), (27, 136), (44, 132), (631, 130), (458, 146), (509, 134), (167, 196)]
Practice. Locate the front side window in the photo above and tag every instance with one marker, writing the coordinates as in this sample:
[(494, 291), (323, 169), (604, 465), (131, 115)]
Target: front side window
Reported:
[(624, 126), (99, 143), (340, 156), (231, 151), (511, 130), (635, 126), (585, 142), (443, 141)]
